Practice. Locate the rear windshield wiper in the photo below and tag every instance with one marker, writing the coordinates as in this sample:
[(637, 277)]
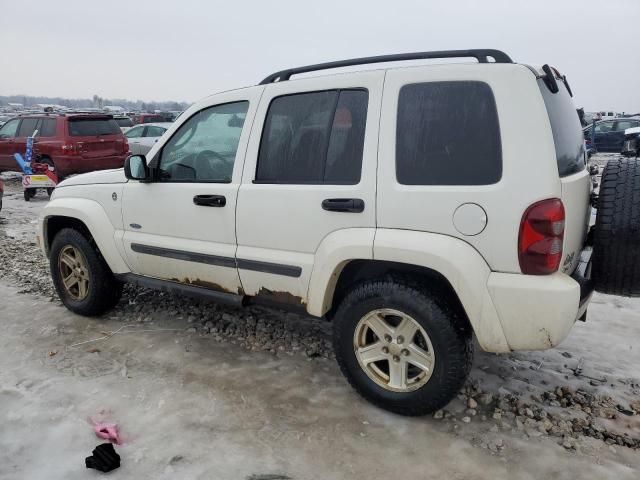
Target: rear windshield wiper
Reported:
[(550, 79)]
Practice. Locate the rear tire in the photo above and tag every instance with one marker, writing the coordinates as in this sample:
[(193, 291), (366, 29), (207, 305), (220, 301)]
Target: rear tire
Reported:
[(448, 345), (72, 252), (616, 250)]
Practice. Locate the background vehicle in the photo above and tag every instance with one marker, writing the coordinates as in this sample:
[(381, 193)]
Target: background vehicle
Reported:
[(70, 143), (398, 203), (609, 134), (148, 118), (142, 137), (631, 146), (124, 122)]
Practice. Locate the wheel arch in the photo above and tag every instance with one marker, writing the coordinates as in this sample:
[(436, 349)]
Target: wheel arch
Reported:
[(88, 217), (451, 264)]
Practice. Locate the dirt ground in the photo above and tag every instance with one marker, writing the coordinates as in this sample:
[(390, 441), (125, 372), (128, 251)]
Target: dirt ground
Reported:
[(210, 392)]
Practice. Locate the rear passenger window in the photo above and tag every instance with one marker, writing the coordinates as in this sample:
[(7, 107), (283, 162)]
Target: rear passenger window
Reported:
[(27, 127), (48, 128), (448, 134), (315, 138)]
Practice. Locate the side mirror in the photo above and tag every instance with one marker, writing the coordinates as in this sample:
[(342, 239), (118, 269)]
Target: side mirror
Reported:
[(135, 168)]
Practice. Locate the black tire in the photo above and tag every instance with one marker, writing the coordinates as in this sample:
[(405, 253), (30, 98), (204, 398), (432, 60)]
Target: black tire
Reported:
[(29, 193), (448, 332), (616, 249), (50, 191), (104, 290)]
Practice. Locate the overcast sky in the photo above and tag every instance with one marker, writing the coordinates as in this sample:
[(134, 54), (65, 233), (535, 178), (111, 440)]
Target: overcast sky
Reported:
[(187, 49)]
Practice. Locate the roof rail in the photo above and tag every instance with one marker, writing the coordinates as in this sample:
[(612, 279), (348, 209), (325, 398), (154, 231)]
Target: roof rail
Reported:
[(482, 55)]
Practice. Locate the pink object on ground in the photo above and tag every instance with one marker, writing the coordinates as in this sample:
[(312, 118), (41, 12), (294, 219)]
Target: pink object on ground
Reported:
[(108, 431)]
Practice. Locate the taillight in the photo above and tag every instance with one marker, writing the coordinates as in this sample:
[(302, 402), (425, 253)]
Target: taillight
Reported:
[(541, 237), (125, 146)]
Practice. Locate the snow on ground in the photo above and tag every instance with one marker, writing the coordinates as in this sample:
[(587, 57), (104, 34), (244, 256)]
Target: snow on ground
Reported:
[(209, 391)]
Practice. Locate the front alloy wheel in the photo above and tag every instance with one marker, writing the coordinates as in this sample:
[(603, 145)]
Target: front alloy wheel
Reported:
[(74, 272)]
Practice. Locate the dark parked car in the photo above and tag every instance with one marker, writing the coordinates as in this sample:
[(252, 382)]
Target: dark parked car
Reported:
[(609, 134), (71, 143), (631, 145)]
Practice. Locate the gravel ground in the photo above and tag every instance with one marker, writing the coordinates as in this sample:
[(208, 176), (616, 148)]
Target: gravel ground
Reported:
[(585, 394)]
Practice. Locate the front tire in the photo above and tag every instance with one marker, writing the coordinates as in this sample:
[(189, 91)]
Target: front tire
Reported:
[(403, 347), (80, 275)]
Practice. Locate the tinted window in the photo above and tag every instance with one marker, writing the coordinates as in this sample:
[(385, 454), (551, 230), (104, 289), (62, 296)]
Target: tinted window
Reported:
[(204, 148), (154, 131), (622, 125), (152, 119), (124, 122), (48, 127), (604, 127), (9, 129), (566, 129), (85, 127), (448, 134), (27, 127), (314, 138), (134, 132)]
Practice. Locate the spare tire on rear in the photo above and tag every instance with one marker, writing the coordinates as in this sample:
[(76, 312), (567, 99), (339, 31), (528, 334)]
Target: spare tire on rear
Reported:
[(616, 241)]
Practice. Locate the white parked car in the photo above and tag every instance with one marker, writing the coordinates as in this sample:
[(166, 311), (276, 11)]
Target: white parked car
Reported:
[(415, 207), (144, 136)]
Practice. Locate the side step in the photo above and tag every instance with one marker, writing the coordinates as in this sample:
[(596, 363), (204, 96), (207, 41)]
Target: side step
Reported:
[(181, 289)]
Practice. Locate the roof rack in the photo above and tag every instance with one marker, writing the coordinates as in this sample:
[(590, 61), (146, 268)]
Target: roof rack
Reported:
[(482, 55)]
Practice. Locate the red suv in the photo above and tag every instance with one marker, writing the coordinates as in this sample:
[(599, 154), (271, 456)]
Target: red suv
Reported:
[(72, 143), (148, 118)]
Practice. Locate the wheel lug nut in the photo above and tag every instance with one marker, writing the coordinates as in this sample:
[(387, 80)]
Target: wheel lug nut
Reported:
[(385, 350), (400, 339), (387, 338), (405, 352), (396, 358)]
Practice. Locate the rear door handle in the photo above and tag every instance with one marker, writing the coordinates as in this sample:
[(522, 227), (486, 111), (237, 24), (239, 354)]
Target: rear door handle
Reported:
[(353, 205), (210, 200)]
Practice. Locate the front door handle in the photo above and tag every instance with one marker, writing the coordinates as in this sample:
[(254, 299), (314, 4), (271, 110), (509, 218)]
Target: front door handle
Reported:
[(210, 200), (354, 205)]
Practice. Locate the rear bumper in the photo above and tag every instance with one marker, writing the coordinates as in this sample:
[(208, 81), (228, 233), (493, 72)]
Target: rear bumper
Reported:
[(537, 312)]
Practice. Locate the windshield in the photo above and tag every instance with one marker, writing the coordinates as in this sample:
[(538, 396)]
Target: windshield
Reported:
[(567, 131), (124, 122)]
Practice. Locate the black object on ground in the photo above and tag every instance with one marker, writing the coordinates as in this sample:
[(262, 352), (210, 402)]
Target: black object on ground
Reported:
[(104, 458)]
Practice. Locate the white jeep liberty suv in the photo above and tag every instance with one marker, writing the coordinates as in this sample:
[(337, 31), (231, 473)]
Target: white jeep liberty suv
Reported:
[(415, 207)]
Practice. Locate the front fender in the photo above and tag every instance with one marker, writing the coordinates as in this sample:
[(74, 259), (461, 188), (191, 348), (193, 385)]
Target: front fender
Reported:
[(95, 219)]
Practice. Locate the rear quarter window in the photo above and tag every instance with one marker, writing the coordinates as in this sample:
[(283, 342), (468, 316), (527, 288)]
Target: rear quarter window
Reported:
[(448, 134), (567, 132), (87, 127)]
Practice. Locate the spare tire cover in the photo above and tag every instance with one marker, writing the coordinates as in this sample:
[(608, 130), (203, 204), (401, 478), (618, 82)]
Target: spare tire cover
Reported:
[(616, 241)]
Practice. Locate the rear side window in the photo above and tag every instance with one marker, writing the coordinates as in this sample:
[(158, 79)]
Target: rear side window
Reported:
[(86, 127), (448, 134), (154, 131), (124, 122), (315, 138), (48, 127), (27, 127), (567, 131)]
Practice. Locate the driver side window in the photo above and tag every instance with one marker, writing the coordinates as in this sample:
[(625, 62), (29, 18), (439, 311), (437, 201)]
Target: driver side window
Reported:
[(204, 148)]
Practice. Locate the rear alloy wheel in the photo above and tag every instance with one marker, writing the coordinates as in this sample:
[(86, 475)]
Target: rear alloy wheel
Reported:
[(402, 345), (393, 350)]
